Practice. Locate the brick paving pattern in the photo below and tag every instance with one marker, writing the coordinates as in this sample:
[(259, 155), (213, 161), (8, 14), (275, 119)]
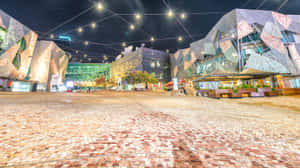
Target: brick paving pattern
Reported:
[(62, 134)]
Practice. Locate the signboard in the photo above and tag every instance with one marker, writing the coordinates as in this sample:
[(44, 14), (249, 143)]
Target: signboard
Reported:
[(175, 84), (54, 83), (119, 83)]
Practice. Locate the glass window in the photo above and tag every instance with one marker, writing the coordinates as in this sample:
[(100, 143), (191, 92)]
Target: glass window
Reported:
[(287, 37)]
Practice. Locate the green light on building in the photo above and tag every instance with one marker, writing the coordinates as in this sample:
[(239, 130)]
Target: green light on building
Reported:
[(87, 72)]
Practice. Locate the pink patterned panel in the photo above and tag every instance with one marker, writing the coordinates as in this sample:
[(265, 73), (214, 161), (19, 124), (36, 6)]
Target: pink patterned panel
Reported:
[(4, 62), (185, 51), (284, 20), (273, 42), (10, 53), (244, 29), (225, 45), (295, 55), (187, 65), (176, 55), (26, 55), (193, 57), (1, 23), (175, 70)]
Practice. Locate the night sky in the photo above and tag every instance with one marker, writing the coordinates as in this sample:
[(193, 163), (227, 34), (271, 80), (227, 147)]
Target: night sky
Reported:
[(43, 15)]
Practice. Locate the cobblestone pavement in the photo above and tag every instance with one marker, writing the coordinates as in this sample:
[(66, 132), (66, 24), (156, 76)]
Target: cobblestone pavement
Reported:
[(113, 129)]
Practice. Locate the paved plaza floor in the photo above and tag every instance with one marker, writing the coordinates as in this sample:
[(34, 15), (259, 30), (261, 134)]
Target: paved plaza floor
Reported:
[(145, 129)]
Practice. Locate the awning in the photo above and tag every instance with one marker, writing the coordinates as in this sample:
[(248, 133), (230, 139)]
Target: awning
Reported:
[(235, 76)]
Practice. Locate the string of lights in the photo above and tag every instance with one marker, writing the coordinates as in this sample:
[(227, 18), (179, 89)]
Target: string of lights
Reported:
[(137, 16), (282, 5), (246, 3), (93, 25), (124, 44), (179, 16), (261, 4), (178, 13), (132, 27), (183, 16), (69, 20)]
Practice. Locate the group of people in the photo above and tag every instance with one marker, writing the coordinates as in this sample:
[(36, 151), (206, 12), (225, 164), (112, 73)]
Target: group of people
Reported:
[(87, 90)]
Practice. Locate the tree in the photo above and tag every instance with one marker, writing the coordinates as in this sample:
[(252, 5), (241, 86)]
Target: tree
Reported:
[(101, 81), (140, 77)]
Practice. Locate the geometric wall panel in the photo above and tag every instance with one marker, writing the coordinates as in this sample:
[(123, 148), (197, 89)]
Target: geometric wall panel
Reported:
[(254, 40)]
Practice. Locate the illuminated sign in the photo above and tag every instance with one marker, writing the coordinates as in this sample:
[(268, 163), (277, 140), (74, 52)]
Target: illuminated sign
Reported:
[(67, 38)]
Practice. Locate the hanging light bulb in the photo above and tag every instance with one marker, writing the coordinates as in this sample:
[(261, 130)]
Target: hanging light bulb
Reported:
[(93, 25), (152, 39), (80, 30), (183, 16), (100, 6), (170, 13), (138, 16), (180, 39), (132, 27)]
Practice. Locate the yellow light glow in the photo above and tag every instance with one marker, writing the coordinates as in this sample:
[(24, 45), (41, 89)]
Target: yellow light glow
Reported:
[(86, 43), (152, 39), (52, 36), (170, 13), (132, 27), (93, 25), (100, 6), (80, 30), (138, 16), (180, 38), (124, 44), (183, 16)]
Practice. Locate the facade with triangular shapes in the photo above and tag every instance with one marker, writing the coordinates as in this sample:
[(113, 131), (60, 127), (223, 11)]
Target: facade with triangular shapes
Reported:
[(24, 59), (244, 41)]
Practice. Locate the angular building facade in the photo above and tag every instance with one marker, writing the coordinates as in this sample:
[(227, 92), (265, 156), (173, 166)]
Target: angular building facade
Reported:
[(244, 42), (17, 44), (26, 62), (143, 59), (49, 65)]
